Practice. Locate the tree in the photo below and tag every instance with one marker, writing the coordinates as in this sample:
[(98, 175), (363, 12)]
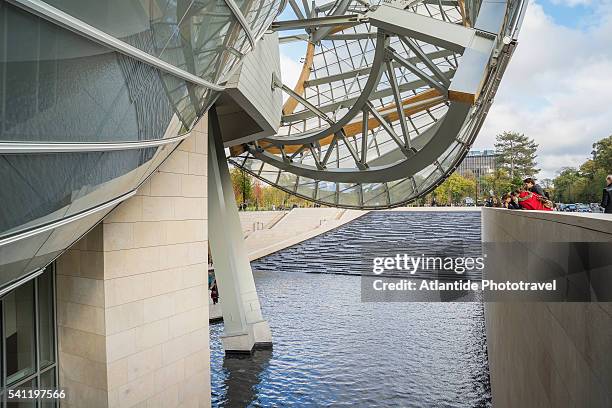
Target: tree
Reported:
[(499, 182), (546, 183), (584, 184), (454, 189), (257, 193), (602, 154), (516, 154), (242, 184), (567, 185)]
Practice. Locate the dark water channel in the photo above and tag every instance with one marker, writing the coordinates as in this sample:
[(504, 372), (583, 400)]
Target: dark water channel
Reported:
[(332, 349)]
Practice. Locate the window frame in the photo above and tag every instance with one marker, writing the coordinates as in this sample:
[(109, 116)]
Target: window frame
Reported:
[(38, 370)]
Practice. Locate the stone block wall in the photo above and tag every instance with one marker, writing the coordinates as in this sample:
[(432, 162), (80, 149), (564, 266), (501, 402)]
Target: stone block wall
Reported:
[(132, 295)]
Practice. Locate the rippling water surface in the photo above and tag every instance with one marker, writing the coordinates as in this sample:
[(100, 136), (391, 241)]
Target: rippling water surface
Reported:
[(330, 349)]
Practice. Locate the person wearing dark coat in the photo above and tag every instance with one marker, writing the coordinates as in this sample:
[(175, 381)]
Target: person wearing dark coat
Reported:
[(513, 204), (531, 185), (214, 293), (606, 200)]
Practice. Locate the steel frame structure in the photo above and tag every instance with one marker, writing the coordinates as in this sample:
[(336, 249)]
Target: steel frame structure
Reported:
[(399, 93)]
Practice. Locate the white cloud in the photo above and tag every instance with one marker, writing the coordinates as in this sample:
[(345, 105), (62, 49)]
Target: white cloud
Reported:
[(556, 89), (290, 71)]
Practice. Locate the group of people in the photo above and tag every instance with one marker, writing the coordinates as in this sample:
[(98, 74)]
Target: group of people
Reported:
[(533, 197), (530, 197)]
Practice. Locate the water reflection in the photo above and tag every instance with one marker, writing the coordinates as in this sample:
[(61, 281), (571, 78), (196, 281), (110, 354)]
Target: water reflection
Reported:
[(243, 374), (332, 349)]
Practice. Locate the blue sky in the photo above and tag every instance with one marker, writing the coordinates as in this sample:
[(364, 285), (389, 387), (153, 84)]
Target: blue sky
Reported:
[(571, 14), (557, 86)]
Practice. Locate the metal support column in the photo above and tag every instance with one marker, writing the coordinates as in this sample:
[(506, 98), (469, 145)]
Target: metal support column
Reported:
[(245, 326)]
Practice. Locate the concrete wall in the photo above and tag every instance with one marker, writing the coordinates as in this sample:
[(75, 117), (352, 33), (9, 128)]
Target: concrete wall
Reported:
[(263, 218), (132, 295), (546, 354)]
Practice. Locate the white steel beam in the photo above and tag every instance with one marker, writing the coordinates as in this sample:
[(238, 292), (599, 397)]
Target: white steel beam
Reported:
[(405, 23)]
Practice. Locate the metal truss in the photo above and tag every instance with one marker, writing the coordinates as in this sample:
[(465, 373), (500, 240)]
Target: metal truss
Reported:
[(390, 98)]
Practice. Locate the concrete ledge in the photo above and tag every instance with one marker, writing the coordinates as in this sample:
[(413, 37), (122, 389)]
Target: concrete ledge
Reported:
[(214, 312), (257, 336), (546, 354), (556, 226)]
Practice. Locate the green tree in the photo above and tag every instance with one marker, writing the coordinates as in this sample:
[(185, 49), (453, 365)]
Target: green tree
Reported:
[(584, 184), (548, 184), (242, 183), (499, 182), (567, 185), (455, 189), (602, 154), (516, 154)]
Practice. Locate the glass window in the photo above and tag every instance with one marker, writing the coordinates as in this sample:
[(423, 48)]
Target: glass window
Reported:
[(47, 382), (24, 404), (46, 324), (19, 329), (28, 355)]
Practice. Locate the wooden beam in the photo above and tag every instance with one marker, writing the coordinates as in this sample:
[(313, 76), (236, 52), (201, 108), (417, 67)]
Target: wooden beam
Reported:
[(292, 103), (464, 17), (430, 98)]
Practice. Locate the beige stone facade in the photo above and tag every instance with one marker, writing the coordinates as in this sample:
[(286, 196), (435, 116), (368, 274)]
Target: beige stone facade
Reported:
[(132, 295)]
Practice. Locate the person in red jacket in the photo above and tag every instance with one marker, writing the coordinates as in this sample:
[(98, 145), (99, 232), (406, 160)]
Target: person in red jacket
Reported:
[(532, 201)]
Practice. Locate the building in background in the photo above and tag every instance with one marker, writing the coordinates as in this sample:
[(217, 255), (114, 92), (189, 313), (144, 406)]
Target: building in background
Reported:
[(478, 163)]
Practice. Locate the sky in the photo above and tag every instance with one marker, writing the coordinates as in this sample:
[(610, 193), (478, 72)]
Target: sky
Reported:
[(557, 88)]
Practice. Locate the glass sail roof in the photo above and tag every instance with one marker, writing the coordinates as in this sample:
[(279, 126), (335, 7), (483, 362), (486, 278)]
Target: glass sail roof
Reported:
[(389, 100)]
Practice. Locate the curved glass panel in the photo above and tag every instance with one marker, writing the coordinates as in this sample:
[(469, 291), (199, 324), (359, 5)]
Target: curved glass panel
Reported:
[(200, 37), (47, 187), (60, 87), (15, 257), (381, 112)]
